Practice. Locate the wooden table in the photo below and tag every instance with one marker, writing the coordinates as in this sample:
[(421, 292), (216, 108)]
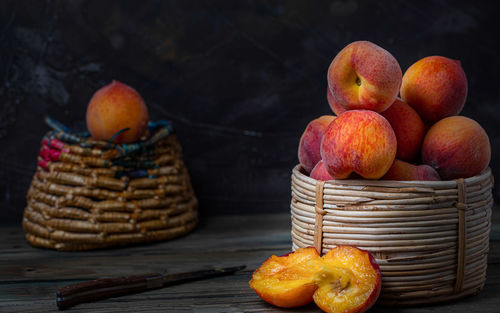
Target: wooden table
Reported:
[(29, 277)]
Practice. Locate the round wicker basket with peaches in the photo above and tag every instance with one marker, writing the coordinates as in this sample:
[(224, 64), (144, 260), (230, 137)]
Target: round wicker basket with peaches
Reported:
[(394, 191)]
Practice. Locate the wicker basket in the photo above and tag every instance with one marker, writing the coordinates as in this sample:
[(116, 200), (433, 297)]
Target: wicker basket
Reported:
[(88, 195), (429, 238)]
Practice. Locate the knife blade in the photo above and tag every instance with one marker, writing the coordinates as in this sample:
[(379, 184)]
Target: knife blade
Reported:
[(98, 289)]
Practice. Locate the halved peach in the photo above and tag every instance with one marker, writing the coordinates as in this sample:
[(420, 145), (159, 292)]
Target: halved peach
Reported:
[(288, 281), (346, 280), (349, 281)]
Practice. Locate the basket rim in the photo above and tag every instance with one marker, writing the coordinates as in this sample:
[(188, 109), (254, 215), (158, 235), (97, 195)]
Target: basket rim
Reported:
[(392, 183), (57, 127)]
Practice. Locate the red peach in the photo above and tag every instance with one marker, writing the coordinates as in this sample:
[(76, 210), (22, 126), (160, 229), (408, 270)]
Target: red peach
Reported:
[(359, 141), (309, 154), (401, 170), (364, 76), (334, 105), (408, 127), (457, 147), (319, 172), (115, 107), (436, 87)]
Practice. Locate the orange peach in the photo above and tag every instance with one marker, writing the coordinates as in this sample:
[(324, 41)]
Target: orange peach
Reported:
[(436, 87), (364, 76), (359, 141), (457, 147), (349, 282), (408, 127), (334, 104), (116, 107), (319, 172), (401, 170), (287, 281), (310, 141)]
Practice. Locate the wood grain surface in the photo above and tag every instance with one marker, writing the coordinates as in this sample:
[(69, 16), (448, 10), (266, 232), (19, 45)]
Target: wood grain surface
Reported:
[(29, 277)]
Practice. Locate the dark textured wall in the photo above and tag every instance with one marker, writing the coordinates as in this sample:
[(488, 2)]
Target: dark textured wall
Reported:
[(240, 79)]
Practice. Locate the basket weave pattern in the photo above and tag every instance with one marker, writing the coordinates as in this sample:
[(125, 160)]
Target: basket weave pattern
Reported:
[(88, 195), (430, 239)]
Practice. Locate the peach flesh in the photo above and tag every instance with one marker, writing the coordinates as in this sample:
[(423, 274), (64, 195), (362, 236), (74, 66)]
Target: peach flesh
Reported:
[(364, 76), (346, 279), (287, 281), (457, 147), (436, 87), (359, 141), (353, 289), (113, 108)]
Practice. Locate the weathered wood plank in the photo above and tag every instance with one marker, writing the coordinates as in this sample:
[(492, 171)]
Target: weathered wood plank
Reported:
[(224, 294), (29, 276)]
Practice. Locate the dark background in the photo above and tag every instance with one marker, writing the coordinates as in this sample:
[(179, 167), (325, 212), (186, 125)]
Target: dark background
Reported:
[(240, 79)]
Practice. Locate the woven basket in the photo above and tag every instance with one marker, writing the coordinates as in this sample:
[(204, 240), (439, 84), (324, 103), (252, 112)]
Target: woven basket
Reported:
[(89, 194), (430, 239)]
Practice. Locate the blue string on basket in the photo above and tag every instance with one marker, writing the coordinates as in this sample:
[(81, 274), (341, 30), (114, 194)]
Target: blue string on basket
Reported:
[(159, 130)]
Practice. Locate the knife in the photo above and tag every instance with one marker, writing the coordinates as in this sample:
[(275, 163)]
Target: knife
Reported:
[(97, 289)]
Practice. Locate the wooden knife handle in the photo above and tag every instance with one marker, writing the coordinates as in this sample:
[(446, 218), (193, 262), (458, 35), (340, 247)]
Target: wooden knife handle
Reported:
[(92, 290)]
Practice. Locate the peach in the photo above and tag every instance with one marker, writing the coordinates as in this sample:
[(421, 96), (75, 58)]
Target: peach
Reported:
[(310, 141), (334, 104), (408, 127), (401, 170), (457, 147), (287, 281), (364, 76), (359, 141), (346, 279), (319, 172), (116, 107), (436, 87), (350, 281)]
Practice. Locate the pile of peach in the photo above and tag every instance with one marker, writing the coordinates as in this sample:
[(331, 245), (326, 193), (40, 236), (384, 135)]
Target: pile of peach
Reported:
[(346, 279), (376, 135)]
